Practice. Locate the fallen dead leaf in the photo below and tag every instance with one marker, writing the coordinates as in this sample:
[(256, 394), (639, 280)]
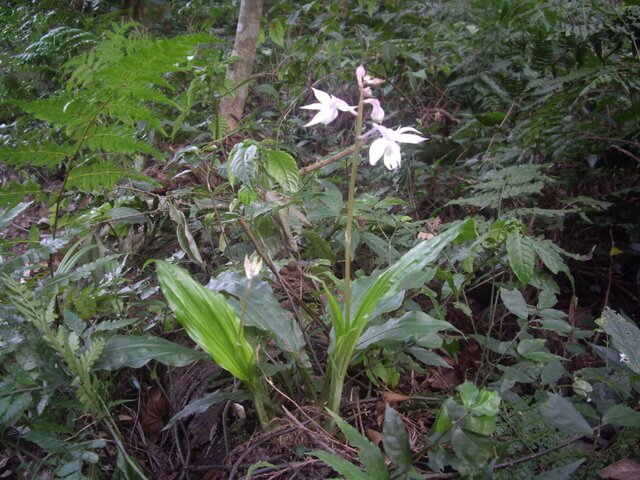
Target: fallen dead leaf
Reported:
[(625, 469), (393, 397), (373, 435)]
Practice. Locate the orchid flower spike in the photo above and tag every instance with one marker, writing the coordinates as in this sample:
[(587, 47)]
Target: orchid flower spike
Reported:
[(327, 107), (377, 114), (388, 147)]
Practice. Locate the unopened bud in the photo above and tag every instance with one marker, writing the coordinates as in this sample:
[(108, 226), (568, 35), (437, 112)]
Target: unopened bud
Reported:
[(360, 74)]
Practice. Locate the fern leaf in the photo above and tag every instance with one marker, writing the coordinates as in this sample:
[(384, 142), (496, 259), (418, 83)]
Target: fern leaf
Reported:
[(102, 176), (125, 109), (15, 192), (118, 139), (49, 154)]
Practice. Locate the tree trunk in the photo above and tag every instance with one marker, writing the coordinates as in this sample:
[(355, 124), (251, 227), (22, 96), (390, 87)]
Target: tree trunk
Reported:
[(244, 47)]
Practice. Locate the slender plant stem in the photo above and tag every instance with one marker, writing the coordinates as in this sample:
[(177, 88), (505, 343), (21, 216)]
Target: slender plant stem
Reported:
[(338, 362), (350, 202)]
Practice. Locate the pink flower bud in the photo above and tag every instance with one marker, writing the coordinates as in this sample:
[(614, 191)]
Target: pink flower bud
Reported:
[(360, 73)]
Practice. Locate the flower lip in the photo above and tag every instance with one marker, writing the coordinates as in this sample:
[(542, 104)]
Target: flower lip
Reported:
[(328, 107)]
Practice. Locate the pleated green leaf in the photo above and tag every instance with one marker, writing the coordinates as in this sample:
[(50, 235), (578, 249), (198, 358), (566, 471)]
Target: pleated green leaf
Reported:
[(209, 320)]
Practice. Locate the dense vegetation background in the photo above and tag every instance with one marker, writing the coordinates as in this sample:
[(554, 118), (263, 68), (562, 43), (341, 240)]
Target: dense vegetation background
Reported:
[(511, 351)]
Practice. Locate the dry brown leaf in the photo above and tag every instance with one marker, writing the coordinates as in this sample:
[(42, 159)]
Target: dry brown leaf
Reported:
[(393, 397), (373, 435), (625, 469)]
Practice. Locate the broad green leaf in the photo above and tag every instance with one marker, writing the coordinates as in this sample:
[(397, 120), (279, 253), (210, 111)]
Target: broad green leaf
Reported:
[(396, 441), (428, 357), (394, 279), (209, 321), (472, 448), (624, 335), (242, 163), (561, 473), (410, 327), (127, 216), (534, 349), (340, 465), (549, 256), (521, 256), (370, 455), (261, 309), (202, 404), (562, 414), (136, 351), (276, 32), (283, 169), (622, 416), (515, 302)]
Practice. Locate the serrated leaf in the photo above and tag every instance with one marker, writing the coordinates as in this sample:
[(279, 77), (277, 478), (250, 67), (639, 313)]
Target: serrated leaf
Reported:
[(562, 414), (283, 169), (521, 256), (514, 302)]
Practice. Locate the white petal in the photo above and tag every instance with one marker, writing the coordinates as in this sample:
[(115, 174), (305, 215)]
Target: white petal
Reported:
[(323, 97), (409, 138), (314, 106), (376, 150), (405, 129), (392, 156), (344, 106), (386, 133), (325, 116)]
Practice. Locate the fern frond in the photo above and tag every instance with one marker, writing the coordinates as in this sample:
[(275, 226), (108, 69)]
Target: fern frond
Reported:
[(45, 155), (101, 176), (125, 110), (118, 139), (15, 192), (65, 110), (60, 39)]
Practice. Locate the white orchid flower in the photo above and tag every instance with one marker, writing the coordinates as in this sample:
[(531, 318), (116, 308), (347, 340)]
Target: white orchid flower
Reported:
[(624, 358), (388, 145), (328, 108)]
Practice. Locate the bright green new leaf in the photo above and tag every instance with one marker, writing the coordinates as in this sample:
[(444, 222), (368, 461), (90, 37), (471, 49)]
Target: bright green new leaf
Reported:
[(209, 321)]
